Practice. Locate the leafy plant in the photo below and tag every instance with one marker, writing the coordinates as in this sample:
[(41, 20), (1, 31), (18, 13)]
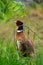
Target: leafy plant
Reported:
[(8, 9)]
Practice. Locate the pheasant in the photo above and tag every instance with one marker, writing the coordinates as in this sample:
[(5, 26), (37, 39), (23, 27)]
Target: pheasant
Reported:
[(23, 43)]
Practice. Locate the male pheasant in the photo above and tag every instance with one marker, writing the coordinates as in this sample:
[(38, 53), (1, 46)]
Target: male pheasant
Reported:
[(23, 44)]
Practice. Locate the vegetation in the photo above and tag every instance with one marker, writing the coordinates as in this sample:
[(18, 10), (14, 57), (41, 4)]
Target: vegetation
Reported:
[(9, 55), (8, 8), (34, 31)]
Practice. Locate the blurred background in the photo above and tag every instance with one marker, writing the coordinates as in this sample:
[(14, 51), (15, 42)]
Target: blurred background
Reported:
[(30, 12)]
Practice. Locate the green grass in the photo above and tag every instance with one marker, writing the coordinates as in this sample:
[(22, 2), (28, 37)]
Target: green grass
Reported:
[(9, 55)]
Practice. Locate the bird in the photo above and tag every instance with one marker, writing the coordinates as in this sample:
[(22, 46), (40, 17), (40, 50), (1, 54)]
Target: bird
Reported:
[(24, 45)]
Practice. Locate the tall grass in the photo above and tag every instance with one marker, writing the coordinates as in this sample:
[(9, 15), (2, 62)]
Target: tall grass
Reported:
[(9, 55)]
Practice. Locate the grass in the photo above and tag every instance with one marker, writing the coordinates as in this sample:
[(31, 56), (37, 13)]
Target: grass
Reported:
[(9, 55)]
